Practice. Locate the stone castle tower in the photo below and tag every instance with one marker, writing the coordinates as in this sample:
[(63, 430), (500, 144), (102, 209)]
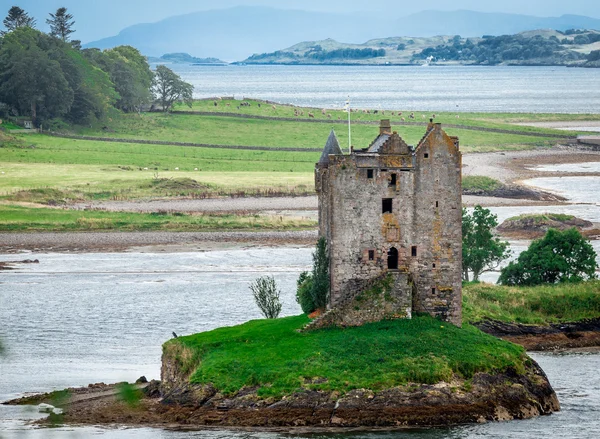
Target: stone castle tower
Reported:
[(392, 211)]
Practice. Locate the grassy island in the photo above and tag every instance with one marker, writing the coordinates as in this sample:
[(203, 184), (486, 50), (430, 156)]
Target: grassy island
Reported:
[(272, 355)]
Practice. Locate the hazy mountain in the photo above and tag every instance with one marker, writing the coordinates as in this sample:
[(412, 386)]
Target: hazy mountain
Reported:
[(477, 24), (235, 33)]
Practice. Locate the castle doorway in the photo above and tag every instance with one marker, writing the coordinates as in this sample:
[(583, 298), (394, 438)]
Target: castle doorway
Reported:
[(393, 259)]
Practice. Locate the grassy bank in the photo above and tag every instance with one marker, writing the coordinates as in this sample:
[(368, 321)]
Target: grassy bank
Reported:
[(480, 182), (539, 305), (272, 355), (29, 219)]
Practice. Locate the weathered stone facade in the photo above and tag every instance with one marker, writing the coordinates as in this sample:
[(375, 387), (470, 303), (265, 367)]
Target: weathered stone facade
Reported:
[(391, 208)]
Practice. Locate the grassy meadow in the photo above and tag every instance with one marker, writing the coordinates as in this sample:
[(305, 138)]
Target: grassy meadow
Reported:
[(44, 169), (395, 352)]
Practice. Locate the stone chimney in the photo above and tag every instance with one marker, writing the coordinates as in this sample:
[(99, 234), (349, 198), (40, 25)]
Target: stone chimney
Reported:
[(385, 127)]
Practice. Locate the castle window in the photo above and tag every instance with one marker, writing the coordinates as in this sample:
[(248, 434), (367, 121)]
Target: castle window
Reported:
[(386, 205), (433, 265), (369, 173), (393, 259), (393, 179), (433, 291), (413, 251), (437, 204), (426, 155), (371, 255)]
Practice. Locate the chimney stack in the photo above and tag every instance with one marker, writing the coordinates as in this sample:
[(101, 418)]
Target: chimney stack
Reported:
[(385, 127)]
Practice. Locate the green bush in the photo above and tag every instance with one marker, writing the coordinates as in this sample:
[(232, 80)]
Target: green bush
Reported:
[(266, 296), (304, 293), (557, 257)]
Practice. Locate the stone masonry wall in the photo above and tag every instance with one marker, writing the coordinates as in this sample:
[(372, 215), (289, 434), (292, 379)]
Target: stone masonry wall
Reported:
[(424, 225)]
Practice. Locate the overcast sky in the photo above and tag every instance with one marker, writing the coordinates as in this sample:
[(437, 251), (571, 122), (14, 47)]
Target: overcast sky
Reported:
[(102, 18)]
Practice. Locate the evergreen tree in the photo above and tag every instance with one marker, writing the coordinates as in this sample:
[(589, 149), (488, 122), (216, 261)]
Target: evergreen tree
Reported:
[(15, 19), (61, 24), (320, 275)]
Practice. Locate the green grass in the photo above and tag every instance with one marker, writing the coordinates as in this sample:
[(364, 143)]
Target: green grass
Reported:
[(486, 120), (480, 182), (10, 126), (539, 305), (241, 131), (41, 182), (272, 355), (542, 217), (45, 149), (30, 219)]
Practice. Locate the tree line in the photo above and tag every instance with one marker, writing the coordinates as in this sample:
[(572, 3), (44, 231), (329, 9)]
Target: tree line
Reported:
[(495, 50), (51, 79)]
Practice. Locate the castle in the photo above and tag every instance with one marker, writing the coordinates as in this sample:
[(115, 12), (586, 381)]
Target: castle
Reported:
[(393, 212)]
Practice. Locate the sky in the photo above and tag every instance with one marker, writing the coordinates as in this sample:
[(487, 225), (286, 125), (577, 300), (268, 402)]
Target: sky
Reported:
[(97, 19)]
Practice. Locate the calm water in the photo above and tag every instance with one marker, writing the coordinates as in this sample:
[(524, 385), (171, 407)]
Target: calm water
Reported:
[(75, 319), (471, 89)]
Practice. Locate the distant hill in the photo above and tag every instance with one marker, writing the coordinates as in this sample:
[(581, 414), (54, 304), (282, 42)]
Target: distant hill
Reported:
[(541, 47), (184, 58), (236, 33)]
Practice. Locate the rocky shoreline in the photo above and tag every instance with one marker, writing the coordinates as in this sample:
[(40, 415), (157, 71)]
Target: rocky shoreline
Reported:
[(554, 337), (485, 398)]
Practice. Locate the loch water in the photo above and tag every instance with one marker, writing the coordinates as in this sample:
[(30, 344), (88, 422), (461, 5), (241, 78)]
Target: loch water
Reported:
[(408, 88), (76, 319)]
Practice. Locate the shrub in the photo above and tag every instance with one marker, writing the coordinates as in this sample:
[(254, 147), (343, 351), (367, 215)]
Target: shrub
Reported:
[(304, 293), (266, 296)]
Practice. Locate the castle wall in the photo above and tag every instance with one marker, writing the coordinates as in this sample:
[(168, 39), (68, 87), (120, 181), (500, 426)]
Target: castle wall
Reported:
[(438, 228), (425, 217)]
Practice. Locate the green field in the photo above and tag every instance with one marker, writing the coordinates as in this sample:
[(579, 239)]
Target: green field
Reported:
[(30, 219), (272, 355), (225, 130), (40, 168)]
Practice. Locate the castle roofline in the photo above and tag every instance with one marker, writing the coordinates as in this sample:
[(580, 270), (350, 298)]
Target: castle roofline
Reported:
[(332, 147)]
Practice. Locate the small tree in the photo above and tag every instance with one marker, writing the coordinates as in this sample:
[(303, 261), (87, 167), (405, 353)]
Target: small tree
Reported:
[(15, 19), (169, 88), (61, 24), (557, 257), (481, 251), (266, 296)]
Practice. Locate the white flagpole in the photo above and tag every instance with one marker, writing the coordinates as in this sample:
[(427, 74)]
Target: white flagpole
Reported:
[(349, 130)]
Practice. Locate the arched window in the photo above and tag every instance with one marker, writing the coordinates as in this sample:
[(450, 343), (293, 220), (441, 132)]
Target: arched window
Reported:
[(393, 259)]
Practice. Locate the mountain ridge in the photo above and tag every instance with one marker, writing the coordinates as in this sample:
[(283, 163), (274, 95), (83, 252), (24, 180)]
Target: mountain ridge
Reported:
[(236, 33)]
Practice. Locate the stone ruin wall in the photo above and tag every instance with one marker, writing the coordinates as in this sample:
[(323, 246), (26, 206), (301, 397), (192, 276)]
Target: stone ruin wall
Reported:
[(426, 214)]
